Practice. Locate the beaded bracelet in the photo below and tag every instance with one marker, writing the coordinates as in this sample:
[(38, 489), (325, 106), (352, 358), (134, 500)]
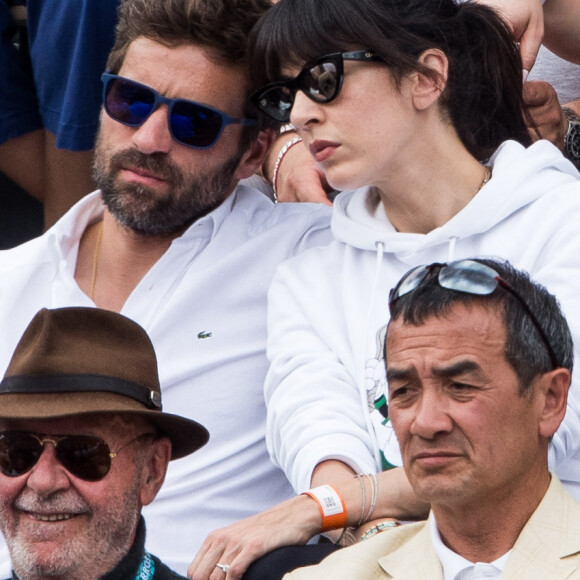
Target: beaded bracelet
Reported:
[(287, 128), (380, 527), (281, 154)]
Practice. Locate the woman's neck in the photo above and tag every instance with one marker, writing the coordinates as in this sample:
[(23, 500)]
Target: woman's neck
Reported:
[(436, 182)]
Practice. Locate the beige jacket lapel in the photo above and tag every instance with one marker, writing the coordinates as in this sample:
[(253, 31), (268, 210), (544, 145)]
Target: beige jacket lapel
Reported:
[(547, 549), (549, 545)]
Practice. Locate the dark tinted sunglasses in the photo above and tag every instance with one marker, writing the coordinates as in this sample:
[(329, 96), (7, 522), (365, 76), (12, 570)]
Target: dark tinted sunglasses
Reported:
[(84, 456), (320, 80), (470, 277), (190, 123)]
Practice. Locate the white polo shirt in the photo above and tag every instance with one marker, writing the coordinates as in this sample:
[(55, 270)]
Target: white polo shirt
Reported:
[(204, 306)]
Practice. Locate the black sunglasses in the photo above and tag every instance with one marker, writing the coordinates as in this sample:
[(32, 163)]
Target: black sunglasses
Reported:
[(470, 277), (320, 80), (85, 456), (190, 123)]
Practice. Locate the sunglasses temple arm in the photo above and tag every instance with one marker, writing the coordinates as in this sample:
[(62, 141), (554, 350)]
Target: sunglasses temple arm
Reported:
[(536, 323)]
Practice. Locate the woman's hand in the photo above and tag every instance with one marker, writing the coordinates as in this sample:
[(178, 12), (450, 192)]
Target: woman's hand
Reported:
[(295, 521), (292, 522), (298, 177), (526, 20)]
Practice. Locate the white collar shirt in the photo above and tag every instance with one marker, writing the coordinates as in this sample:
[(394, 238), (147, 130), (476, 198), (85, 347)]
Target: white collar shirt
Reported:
[(456, 567), (203, 303)]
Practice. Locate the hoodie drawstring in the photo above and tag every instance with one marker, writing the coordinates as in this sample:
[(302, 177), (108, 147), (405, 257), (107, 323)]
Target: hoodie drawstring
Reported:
[(380, 246), (451, 249)]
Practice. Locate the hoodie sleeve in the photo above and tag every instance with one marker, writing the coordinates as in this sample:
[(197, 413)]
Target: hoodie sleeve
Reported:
[(538, 230), (558, 268), (314, 404)]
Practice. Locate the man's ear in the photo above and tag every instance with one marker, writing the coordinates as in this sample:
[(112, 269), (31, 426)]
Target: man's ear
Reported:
[(426, 88), (158, 457), (253, 157), (553, 390)]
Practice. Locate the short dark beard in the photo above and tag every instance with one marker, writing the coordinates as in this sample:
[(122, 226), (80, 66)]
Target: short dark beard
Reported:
[(144, 212)]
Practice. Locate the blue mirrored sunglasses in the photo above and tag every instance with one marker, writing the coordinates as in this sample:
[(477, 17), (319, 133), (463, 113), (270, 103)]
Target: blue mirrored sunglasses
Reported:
[(190, 123), (470, 277)]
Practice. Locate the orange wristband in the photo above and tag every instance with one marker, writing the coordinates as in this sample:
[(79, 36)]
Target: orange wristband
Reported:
[(331, 506)]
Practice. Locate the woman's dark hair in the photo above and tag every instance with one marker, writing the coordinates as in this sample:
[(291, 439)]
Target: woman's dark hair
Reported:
[(483, 95)]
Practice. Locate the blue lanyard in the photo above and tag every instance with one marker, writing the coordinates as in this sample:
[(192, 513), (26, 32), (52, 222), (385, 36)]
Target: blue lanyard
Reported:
[(146, 568)]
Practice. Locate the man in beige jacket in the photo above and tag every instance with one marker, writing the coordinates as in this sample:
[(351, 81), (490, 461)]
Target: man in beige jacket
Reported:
[(478, 361)]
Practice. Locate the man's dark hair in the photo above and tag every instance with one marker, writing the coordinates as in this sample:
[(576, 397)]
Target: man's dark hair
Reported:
[(525, 349), (220, 27)]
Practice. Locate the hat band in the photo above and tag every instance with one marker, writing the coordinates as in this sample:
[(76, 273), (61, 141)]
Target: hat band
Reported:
[(69, 383)]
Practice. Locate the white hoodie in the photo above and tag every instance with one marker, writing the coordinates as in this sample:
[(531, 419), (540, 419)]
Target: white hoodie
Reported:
[(329, 308)]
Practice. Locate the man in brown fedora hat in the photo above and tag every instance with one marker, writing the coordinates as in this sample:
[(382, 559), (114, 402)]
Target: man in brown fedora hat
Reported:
[(84, 445)]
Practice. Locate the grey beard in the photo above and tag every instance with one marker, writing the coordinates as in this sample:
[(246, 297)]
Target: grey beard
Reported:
[(83, 557)]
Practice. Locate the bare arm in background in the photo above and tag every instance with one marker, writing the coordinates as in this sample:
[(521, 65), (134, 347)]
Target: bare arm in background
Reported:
[(562, 24)]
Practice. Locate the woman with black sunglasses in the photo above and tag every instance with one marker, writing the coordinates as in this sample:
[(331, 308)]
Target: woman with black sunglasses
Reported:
[(414, 110)]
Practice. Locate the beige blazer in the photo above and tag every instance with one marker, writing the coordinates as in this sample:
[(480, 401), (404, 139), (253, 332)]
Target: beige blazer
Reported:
[(547, 549)]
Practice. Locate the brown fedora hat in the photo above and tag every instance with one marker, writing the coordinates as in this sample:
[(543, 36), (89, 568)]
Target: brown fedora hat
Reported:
[(84, 361)]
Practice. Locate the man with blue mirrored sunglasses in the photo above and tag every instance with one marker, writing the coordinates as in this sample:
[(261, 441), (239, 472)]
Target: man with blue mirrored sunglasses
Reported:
[(174, 242), (192, 124)]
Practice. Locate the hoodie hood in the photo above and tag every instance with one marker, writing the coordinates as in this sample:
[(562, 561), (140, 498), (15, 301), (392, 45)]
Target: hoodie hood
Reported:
[(520, 176)]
